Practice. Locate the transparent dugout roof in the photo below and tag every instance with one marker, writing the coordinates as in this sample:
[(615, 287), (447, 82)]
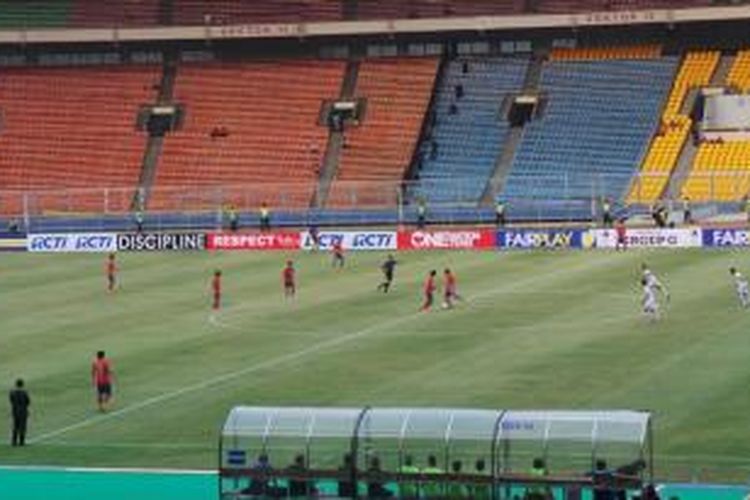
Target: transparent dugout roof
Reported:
[(447, 424)]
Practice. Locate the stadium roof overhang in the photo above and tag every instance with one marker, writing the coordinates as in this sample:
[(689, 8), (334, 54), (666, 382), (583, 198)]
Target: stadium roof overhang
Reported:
[(370, 28)]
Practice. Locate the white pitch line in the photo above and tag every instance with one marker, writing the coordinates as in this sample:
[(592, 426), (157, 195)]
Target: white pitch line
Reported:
[(271, 363), (280, 360), (109, 470), (157, 446)]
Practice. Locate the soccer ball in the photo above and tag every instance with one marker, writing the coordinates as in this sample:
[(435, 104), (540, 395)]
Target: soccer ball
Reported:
[(445, 305)]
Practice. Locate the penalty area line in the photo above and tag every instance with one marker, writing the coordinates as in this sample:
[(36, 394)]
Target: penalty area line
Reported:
[(271, 363)]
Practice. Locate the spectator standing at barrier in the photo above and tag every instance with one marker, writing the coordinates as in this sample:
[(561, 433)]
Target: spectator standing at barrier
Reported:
[(139, 220), (14, 226), (606, 213), (500, 213), (687, 212), (408, 487), (746, 207), (265, 217), (233, 218), (102, 377), (421, 214), (19, 406)]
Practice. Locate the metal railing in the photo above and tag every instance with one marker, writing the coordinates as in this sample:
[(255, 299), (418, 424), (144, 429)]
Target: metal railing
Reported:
[(527, 197)]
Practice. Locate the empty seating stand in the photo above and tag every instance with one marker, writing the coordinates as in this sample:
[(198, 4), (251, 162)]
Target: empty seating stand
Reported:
[(255, 11), (696, 71), (567, 6), (381, 148), (73, 128), (398, 9), (36, 13), (460, 152), (250, 125), (595, 130), (721, 170), (112, 13)]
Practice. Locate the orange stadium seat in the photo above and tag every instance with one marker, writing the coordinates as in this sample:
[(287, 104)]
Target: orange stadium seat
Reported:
[(73, 128), (269, 113), (603, 53), (245, 11), (106, 13), (381, 148)]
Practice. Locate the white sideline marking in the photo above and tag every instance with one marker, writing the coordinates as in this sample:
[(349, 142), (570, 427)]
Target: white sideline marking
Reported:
[(280, 360), (271, 363), (117, 470), (156, 446)]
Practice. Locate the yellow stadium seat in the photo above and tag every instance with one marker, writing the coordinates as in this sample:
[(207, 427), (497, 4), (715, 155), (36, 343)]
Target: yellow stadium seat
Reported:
[(696, 70)]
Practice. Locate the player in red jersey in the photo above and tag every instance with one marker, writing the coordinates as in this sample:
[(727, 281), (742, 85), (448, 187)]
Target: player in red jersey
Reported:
[(429, 291), (621, 232), (450, 292), (287, 275), (338, 254), (216, 287), (102, 377), (111, 270)]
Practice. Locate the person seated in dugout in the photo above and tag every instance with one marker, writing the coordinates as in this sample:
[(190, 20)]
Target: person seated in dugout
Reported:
[(375, 487), (480, 491), (603, 478), (345, 485), (299, 487), (538, 491), (457, 489), (260, 484), (408, 488), (433, 489)]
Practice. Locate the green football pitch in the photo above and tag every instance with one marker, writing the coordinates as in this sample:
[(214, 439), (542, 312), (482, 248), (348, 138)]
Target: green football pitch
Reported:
[(537, 330)]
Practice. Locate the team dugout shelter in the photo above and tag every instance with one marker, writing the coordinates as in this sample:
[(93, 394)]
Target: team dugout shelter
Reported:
[(294, 452)]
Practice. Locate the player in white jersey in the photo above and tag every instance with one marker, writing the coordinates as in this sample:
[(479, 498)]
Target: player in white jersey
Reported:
[(649, 303), (652, 281), (741, 284)]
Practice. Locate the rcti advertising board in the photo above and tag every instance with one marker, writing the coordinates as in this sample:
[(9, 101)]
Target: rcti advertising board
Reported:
[(71, 242), (351, 240)]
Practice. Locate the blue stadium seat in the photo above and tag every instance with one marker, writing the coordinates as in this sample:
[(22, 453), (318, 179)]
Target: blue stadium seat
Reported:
[(469, 141), (594, 132)]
